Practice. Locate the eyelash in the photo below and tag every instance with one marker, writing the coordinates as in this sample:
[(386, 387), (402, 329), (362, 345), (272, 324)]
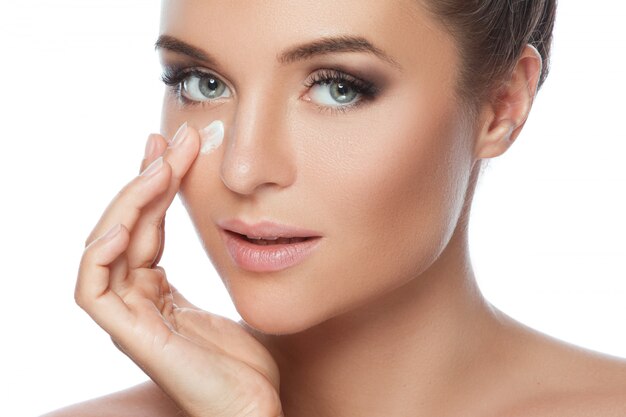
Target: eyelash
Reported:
[(173, 77), (367, 90)]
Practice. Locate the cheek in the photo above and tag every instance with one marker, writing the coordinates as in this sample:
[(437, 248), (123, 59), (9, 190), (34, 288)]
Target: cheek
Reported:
[(393, 189), (385, 191)]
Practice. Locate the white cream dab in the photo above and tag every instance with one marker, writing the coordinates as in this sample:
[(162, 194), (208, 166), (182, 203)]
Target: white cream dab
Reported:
[(212, 136)]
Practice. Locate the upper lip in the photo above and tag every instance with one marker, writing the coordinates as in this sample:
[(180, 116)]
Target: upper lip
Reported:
[(265, 229)]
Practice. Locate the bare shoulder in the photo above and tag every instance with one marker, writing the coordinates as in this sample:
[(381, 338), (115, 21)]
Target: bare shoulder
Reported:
[(603, 403), (143, 400), (565, 380)]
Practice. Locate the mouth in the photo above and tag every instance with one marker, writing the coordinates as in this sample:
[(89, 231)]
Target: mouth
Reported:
[(271, 240), (268, 253)]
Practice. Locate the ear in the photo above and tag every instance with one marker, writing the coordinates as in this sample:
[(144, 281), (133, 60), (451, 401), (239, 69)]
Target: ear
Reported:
[(504, 115)]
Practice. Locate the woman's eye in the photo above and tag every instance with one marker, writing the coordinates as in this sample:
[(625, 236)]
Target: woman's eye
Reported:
[(334, 93), (203, 88), (338, 91)]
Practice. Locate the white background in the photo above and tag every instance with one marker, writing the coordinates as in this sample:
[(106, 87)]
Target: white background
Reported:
[(81, 91)]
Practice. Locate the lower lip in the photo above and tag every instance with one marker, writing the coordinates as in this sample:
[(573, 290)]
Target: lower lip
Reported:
[(267, 258)]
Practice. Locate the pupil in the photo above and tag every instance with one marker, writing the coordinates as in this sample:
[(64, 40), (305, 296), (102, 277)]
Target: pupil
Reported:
[(341, 92), (208, 87)]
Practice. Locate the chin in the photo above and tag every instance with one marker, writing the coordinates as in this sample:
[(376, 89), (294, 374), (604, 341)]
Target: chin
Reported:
[(270, 313), (274, 321)]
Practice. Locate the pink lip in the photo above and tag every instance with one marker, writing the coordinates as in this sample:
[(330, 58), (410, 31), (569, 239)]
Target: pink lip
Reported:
[(266, 258), (265, 229)]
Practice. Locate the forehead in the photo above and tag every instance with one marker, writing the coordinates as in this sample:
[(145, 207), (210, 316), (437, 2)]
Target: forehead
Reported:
[(262, 29)]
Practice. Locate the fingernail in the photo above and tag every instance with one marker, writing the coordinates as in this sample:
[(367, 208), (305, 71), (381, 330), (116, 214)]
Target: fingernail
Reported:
[(153, 168), (150, 147), (180, 136), (112, 232)]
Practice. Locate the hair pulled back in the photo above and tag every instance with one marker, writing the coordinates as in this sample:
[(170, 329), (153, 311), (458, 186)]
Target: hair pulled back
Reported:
[(491, 35)]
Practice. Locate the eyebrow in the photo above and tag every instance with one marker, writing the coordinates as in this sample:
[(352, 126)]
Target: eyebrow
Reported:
[(305, 51)]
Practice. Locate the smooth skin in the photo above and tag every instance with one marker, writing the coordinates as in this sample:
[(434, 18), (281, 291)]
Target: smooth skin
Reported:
[(386, 317)]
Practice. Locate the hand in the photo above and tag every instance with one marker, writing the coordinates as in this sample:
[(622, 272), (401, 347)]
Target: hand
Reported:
[(209, 365)]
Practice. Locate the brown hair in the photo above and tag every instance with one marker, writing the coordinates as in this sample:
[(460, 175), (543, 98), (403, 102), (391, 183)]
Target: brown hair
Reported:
[(491, 35)]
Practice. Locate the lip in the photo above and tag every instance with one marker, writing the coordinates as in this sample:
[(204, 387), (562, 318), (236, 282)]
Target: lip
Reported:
[(266, 258), (266, 229)]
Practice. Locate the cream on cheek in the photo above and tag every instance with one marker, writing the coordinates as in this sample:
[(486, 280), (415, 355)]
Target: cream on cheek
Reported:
[(212, 137)]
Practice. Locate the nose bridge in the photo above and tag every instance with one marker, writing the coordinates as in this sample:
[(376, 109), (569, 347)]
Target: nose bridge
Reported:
[(258, 152)]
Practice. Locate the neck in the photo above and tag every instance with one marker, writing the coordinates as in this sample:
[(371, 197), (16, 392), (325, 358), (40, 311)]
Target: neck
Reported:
[(406, 353)]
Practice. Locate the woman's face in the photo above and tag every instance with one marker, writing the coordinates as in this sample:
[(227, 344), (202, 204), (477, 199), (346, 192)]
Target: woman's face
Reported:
[(378, 168)]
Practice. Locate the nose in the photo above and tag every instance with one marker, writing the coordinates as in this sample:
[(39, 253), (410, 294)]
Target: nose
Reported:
[(258, 152)]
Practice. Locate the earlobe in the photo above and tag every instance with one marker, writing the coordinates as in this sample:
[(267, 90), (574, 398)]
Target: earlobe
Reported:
[(503, 117)]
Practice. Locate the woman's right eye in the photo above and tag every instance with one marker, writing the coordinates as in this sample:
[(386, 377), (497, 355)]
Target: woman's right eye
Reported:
[(203, 87), (194, 86)]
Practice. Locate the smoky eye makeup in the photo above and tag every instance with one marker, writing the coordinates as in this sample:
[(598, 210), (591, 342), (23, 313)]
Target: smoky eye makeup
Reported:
[(341, 88), (331, 90)]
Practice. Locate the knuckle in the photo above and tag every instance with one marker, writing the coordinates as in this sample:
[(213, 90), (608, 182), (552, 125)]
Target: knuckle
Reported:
[(125, 192), (160, 271), (147, 281), (80, 291), (128, 193), (157, 222), (87, 257)]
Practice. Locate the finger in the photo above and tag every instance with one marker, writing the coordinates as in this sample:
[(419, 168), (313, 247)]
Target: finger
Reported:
[(147, 241), (126, 206), (148, 288), (155, 146), (118, 313), (162, 245), (93, 293)]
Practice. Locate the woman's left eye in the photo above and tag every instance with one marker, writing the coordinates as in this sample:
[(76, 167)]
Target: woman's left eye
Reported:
[(334, 93), (338, 91)]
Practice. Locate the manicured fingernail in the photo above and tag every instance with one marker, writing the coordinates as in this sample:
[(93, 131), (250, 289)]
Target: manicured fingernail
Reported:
[(150, 147), (153, 168), (112, 232), (180, 136)]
